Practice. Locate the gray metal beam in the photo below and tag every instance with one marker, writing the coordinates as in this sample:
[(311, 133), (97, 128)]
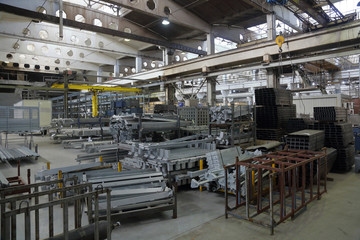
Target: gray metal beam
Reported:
[(93, 28), (305, 43), (320, 17)]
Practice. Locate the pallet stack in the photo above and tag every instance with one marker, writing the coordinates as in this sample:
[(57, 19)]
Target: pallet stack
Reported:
[(338, 134), (274, 109)]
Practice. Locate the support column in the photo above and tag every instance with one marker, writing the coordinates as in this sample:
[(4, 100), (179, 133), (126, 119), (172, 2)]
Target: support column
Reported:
[(117, 68), (99, 73), (138, 64), (166, 53), (272, 79), (211, 91), (210, 43), (66, 89), (169, 95), (271, 27)]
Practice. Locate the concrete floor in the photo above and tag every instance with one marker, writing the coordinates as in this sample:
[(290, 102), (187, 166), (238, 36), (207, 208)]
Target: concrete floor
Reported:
[(201, 214)]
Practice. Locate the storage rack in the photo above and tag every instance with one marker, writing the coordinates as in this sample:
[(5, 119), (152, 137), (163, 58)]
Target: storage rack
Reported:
[(236, 128), (80, 104)]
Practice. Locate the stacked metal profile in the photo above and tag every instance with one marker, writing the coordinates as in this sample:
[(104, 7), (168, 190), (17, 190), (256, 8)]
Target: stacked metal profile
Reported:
[(330, 113), (173, 157), (338, 134), (198, 115), (306, 140), (224, 114), (108, 153), (213, 177), (16, 153), (273, 97), (274, 109), (298, 124)]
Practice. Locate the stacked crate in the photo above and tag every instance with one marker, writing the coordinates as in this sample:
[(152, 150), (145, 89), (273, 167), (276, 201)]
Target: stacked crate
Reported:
[(338, 134), (273, 111)]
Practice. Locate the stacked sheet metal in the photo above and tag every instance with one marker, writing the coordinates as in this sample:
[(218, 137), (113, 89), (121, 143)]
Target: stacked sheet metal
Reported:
[(330, 113), (273, 96), (16, 153), (312, 140)]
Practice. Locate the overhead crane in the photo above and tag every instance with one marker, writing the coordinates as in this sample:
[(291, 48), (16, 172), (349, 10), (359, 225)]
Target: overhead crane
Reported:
[(95, 90)]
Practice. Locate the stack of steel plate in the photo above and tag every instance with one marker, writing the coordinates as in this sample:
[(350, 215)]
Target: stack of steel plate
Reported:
[(298, 124), (273, 96), (306, 139), (274, 116), (345, 159), (330, 113), (336, 134)]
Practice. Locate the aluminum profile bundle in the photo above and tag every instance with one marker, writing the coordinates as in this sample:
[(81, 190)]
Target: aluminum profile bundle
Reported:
[(272, 117), (130, 127), (213, 178), (298, 124), (330, 114), (345, 159), (16, 153), (273, 96), (312, 140), (174, 158), (337, 135), (223, 114)]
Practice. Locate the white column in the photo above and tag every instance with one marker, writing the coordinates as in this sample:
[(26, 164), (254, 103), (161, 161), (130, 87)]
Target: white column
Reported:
[(165, 56), (138, 64), (99, 73), (211, 91), (117, 68), (272, 79), (210, 43), (271, 27)]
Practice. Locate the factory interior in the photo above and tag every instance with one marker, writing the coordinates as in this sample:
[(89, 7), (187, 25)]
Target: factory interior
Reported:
[(179, 119)]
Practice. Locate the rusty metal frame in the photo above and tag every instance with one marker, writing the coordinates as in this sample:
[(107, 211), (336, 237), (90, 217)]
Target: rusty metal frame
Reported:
[(284, 185)]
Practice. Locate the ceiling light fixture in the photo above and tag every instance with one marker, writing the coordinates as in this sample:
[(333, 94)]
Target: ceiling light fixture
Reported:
[(165, 21)]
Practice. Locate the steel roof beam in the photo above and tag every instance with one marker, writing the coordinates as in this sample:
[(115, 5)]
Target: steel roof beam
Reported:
[(93, 28), (178, 14), (307, 42)]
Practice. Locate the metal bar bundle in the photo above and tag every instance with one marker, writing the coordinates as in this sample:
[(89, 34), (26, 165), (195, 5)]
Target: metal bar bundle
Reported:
[(273, 96), (330, 113), (283, 193), (198, 115), (306, 139), (16, 153)]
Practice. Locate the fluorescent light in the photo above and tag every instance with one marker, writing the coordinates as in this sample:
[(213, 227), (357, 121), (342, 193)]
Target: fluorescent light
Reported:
[(165, 21)]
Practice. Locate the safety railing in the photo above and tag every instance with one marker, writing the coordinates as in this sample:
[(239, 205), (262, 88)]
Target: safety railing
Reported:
[(58, 194)]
